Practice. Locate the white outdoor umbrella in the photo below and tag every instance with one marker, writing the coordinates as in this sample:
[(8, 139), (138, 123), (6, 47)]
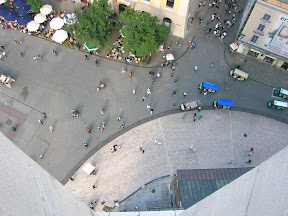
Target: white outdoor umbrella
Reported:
[(46, 9), (59, 36), (56, 23), (33, 26), (40, 18), (2, 1)]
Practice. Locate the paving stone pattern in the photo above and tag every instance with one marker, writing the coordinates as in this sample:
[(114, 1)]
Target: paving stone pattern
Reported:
[(218, 138)]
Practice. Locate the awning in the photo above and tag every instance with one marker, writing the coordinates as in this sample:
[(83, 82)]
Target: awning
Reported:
[(169, 57), (90, 47), (88, 168), (254, 51), (225, 103), (210, 86)]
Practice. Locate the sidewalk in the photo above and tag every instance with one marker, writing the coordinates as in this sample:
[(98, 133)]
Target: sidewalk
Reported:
[(218, 137)]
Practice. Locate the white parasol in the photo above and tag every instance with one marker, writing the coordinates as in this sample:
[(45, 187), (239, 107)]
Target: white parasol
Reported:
[(33, 26), (56, 23), (46, 9), (59, 36), (40, 18)]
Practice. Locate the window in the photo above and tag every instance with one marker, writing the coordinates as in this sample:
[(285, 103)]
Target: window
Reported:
[(170, 3), (167, 22), (266, 17), (254, 38), (261, 27)]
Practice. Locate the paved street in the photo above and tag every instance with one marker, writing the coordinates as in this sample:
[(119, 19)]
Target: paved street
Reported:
[(57, 84)]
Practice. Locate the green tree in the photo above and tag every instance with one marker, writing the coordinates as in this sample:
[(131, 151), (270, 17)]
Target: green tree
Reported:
[(93, 25), (35, 4), (142, 32)]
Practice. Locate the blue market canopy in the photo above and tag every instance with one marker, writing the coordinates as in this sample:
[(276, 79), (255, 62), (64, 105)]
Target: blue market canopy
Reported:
[(19, 3), (23, 10), (210, 86), (3, 11), (23, 20), (225, 103), (11, 16)]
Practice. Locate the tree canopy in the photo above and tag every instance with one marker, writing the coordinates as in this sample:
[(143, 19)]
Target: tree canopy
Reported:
[(142, 32), (93, 25), (35, 5)]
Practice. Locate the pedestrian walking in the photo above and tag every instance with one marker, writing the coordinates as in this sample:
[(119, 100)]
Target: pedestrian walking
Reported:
[(94, 186), (1, 57), (41, 156), (175, 80), (250, 153), (230, 162), (54, 52), (205, 93), (171, 75), (151, 111), (184, 94), (16, 42), (72, 179), (153, 81), (249, 161), (40, 121), (252, 149), (158, 75), (7, 103), (148, 92), (2, 46), (172, 67), (200, 117), (88, 130), (192, 148), (156, 141), (123, 70), (4, 53), (85, 144), (195, 68), (121, 126), (86, 57), (199, 109), (212, 64), (143, 98), (133, 91), (51, 128), (148, 106), (118, 118), (199, 4), (174, 93), (174, 105), (209, 6)]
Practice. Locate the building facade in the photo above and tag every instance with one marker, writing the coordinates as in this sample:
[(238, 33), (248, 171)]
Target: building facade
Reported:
[(264, 33)]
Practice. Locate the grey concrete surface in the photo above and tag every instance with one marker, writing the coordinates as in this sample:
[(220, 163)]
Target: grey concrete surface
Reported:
[(29, 190), (218, 138), (55, 85)]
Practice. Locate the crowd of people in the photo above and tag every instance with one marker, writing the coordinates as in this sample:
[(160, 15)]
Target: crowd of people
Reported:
[(220, 29)]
